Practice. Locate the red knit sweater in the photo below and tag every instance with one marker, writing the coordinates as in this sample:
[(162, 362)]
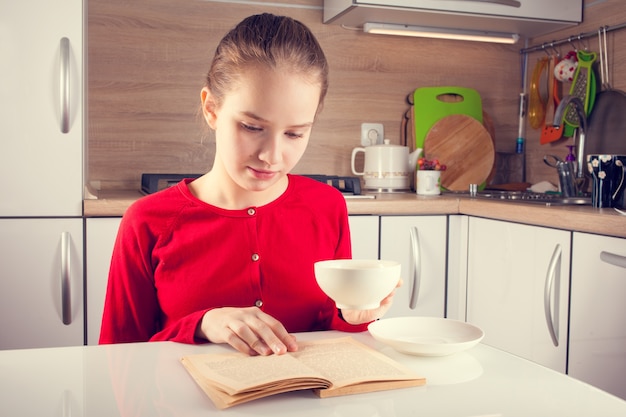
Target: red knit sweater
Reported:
[(175, 257)]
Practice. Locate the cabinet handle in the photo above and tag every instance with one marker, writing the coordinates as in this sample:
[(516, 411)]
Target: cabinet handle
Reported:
[(64, 85), (613, 259), (512, 3), (66, 272), (554, 268), (416, 267)]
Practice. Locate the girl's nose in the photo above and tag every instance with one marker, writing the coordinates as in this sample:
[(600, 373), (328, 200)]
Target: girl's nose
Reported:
[(271, 150)]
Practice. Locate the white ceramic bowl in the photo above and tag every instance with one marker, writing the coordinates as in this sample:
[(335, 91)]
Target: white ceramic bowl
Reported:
[(426, 336), (357, 284)]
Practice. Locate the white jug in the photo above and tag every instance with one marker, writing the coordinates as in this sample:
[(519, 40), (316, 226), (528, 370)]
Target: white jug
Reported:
[(386, 167)]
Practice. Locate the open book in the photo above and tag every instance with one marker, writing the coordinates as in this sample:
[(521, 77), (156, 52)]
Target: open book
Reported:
[(329, 367)]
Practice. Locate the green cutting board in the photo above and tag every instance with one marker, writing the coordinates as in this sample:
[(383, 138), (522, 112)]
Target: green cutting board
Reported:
[(429, 107)]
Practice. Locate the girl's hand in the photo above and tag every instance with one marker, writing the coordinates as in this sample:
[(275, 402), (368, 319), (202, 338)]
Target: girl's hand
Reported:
[(365, 316), (249, 330)]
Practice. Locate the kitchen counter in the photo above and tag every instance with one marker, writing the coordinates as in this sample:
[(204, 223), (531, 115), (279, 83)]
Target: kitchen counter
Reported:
[(147, 379), (575, 218)]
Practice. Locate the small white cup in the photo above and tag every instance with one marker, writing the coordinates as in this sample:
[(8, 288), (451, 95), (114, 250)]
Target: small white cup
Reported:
[(428, 182)]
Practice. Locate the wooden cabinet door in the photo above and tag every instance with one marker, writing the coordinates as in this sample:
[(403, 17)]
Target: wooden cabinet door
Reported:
[(518, 288)]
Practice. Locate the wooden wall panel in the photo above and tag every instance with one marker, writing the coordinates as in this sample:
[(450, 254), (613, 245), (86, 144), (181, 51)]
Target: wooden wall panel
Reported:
[(147, 61)]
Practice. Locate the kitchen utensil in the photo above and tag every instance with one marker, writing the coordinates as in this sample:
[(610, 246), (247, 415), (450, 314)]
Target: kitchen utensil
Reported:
[(431, 104), (550, 133), (463, 144), (607, 122), (567, 174), (357, 284), (426, 336), (386, 167), (608, 184), (583, 87), (536, 103)]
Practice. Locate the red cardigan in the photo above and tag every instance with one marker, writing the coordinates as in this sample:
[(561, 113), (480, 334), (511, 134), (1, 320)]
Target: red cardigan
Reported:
[(176, 257)]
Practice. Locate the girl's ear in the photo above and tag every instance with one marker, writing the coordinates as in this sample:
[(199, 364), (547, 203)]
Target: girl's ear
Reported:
[(209, 108)]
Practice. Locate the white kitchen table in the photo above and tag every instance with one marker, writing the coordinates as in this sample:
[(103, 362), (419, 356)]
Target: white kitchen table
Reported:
[(147, 379)]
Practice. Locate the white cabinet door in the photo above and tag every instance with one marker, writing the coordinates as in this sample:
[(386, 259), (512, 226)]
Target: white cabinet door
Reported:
[(518, 288), (364, 236), (419, 244), (100, 237), (41, 283), (40, 165), (597, 352)]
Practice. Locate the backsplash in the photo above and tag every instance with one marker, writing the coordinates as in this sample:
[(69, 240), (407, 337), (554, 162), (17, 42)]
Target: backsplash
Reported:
[(147, 61)]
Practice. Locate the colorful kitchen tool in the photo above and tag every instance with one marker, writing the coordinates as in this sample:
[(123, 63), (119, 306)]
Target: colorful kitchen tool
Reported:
[(550, 133), (464, 145), (583, 87), (536, 104), (431, 104)]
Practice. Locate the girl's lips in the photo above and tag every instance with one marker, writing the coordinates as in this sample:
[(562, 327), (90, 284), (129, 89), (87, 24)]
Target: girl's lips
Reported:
[(262, 174)]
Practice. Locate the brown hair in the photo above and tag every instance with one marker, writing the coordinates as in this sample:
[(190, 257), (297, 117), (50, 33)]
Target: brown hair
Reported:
[(268, 40)]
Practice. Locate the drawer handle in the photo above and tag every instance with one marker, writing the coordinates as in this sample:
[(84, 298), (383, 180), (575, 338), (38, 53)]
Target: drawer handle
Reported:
[(511, 3), (554, 268), (64, 85), (416, 267), (613, 259), (66, 272)]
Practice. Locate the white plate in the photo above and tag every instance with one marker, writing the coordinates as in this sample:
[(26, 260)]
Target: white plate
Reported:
[(426, 336)]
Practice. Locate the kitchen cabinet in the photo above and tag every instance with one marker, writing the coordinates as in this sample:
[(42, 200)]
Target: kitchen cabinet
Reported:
[(419, 244), (527, 17), (364, 236), (597, 346), (41, 122), (41, 283), (518, 288), (100, 234)]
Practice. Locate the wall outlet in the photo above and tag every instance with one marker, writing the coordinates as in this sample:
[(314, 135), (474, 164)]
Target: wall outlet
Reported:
[(372, 134)]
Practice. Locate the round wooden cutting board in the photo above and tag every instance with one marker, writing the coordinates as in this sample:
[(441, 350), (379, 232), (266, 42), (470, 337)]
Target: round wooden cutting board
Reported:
[(466, 148)]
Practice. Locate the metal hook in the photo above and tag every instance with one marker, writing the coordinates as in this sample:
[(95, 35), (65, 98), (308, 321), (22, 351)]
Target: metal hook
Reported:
[(557, 52), (569, 39)]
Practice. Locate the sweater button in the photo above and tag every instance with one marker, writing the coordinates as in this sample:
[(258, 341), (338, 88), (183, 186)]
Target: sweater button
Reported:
[(251, 211), (258, 303), (255, 257)]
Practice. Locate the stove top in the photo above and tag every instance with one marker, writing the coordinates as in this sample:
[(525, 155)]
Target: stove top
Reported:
[(347, 185), (151, 183)]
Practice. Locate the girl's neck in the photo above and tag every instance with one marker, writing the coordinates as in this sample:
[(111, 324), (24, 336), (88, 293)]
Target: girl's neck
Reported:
[(220, 191)]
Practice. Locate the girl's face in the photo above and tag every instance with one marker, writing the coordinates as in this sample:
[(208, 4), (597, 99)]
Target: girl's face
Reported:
[(262, 127)]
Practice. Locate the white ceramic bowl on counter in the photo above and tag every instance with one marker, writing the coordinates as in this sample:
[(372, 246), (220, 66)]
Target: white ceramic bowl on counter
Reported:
[(357, 284)]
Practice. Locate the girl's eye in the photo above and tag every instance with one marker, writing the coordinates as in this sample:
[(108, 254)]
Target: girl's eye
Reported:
[(251, 128), (294, 135)]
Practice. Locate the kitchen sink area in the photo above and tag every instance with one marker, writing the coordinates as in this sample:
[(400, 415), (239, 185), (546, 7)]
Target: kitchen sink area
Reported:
[(533, 198)]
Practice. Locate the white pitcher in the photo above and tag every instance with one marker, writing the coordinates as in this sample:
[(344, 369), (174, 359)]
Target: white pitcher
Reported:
[(386, 167)]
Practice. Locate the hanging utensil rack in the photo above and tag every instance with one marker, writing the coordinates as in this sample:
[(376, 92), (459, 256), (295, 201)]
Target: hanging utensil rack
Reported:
[(570, 39)]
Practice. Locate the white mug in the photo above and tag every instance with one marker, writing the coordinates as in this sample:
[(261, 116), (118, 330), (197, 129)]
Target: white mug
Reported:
[(428, 182)]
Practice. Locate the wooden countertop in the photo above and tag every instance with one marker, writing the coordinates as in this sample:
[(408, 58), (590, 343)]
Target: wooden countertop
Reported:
[(575, 218)]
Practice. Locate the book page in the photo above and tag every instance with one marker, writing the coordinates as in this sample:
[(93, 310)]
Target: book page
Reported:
[(344, 361), (238, 372)]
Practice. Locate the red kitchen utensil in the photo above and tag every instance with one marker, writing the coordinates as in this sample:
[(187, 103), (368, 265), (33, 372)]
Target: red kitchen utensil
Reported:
[(550, 133)]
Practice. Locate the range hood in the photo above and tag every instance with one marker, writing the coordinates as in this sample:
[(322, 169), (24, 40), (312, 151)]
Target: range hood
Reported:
[(525, 18)]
